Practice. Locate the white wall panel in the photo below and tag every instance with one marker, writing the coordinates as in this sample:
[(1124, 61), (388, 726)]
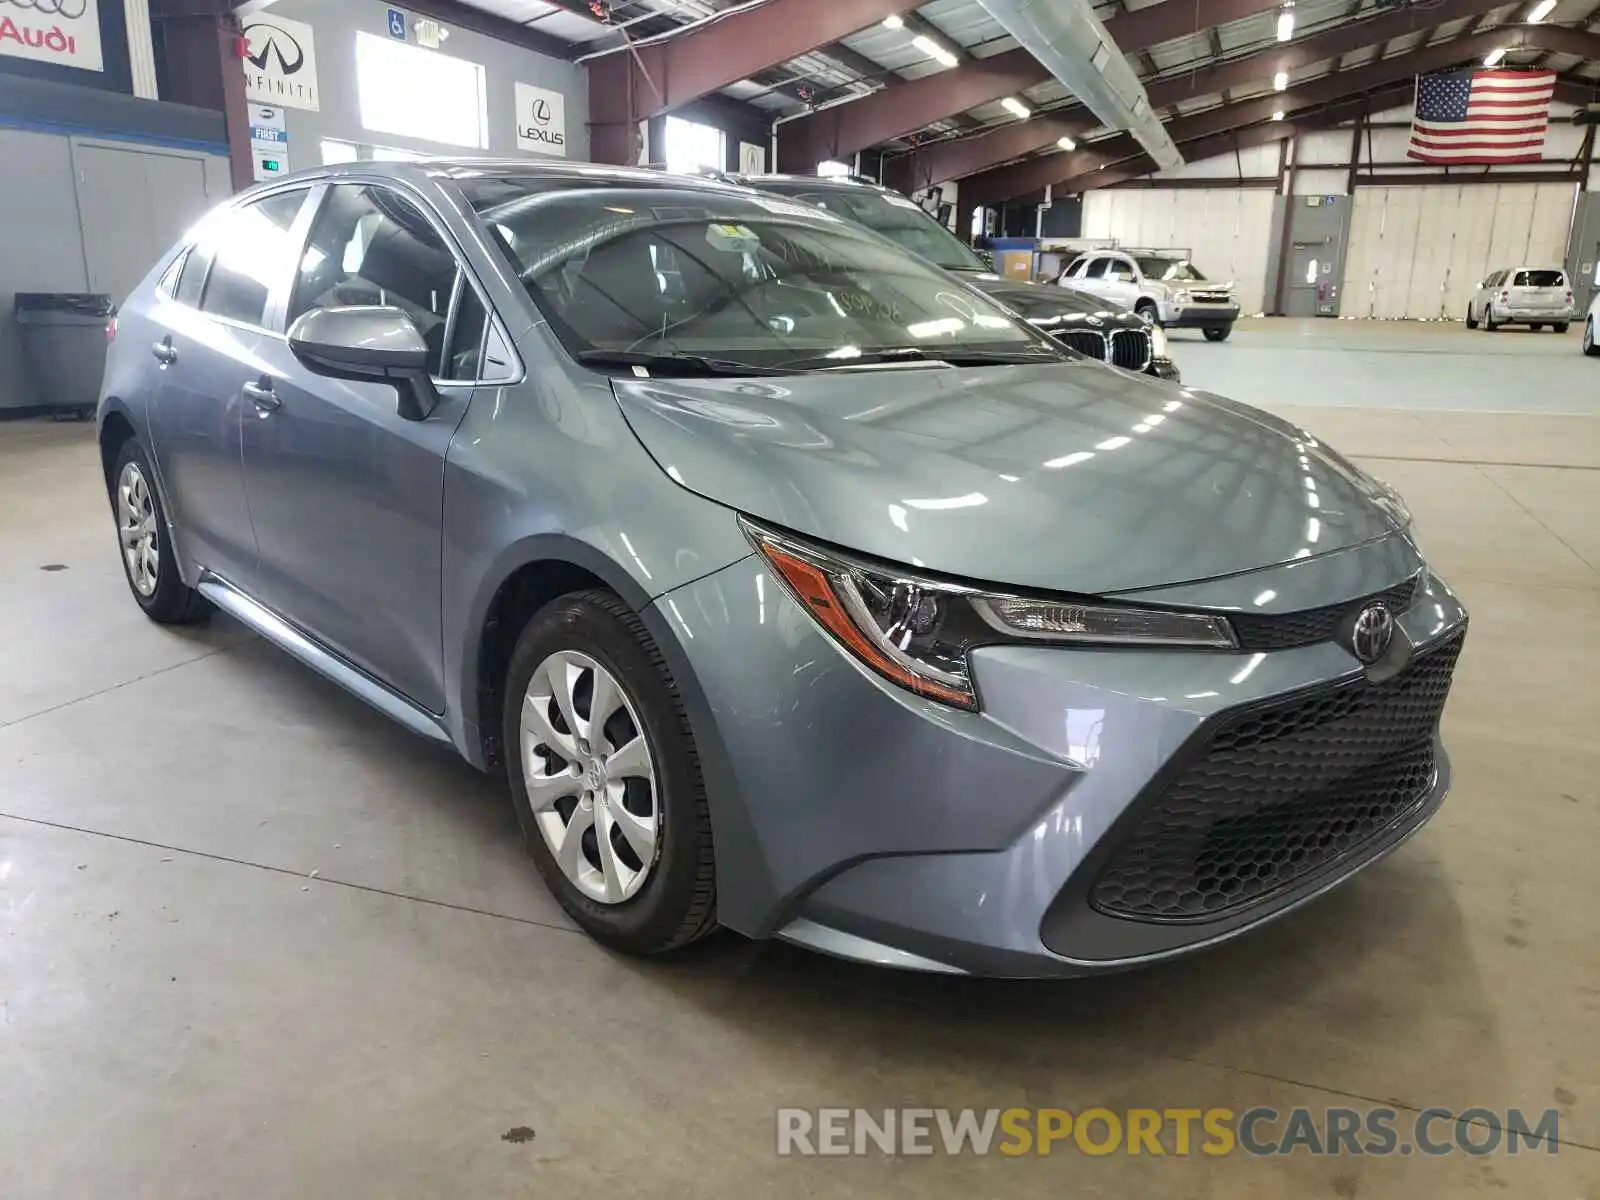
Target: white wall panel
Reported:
[(1420, 251), (1323, 146), (1322, 181), (1227, 230)]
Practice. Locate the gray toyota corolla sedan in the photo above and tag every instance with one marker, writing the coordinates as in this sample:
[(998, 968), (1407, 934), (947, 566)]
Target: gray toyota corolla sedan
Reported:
[(797, 587)]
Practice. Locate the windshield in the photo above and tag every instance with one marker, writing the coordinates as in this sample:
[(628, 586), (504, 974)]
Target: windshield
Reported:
[(901, 221), (730, 279), (1539, 279), (1168, 269)]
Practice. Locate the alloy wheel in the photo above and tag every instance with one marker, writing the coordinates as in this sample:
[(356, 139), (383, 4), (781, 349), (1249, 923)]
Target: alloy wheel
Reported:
[(136, 525), (590, 776)]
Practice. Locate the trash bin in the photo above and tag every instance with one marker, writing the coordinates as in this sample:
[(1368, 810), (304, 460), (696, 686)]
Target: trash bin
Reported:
[(64, 344)]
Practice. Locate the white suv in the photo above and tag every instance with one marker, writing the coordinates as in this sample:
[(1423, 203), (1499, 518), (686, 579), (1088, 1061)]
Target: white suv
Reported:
[(1531, 296), (1590, 346), (1161, 286)]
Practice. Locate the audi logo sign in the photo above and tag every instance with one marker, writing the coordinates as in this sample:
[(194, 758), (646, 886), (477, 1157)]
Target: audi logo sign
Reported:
[(63, 32)]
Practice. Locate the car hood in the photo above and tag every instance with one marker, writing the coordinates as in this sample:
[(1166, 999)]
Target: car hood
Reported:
[(1066, 477), (1063, 309)]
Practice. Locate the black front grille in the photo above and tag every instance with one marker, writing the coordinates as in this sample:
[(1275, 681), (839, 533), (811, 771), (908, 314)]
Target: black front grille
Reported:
[(1130, 348), (1260, 631), (1271, 794), (1084, 341)]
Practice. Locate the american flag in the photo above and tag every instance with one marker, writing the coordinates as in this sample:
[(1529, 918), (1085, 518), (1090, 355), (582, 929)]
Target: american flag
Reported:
[(1486, 116)]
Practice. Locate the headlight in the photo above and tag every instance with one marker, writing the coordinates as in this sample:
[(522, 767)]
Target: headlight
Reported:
[(1158, 341), (917, 632), (1184, 297)]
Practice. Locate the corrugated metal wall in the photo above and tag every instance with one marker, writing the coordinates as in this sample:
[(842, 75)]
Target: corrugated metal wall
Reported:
[(1421, 251), (1227, 230)]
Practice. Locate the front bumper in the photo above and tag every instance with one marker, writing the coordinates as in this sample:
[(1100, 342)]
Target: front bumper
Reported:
[(866, 822), (1198, 316), (1164, 368)]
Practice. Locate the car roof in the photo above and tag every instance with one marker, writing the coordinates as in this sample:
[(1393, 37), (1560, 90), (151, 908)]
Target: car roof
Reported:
[(460, 167)]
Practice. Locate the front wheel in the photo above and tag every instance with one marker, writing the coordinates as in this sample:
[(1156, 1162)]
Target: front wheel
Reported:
[(1535, 327), (1218, 333), (148, 560), (606, 779), (1148, 311), (1488, 321), (1472, 321), (1561, 326), (1589, 347)]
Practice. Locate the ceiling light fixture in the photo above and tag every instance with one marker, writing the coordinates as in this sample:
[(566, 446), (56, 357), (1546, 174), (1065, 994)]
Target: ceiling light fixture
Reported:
[(1016, 108), (1280, 81), (1493, 58), (894, 21), (1066, 143), (934, 50), (1540, 11), (1286, 23)]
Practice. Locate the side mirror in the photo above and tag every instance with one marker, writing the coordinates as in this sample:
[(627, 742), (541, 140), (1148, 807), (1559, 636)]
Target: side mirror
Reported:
[(368, 342)]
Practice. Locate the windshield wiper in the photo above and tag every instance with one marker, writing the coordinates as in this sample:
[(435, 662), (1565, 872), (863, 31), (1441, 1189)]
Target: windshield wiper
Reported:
[(673, 364), (917, 354)]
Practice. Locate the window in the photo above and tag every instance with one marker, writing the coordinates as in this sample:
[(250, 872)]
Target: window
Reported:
[(1119, 269), (370, 245), (421, 94), (251, 249), (1539, 279), (902, 221), (1097, 269), (726, 277), (691, 146)]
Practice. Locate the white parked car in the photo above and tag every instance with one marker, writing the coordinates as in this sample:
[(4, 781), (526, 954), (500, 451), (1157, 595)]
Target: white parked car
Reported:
[(1164, 288), (1590, 347), (1531, 296)]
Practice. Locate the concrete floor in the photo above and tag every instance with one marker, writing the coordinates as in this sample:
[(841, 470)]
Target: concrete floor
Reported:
[(258, 942)]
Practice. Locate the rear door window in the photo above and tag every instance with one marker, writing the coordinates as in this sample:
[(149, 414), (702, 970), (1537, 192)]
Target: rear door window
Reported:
[(1120, 269), (252, 252), (1097, 269), (1540, 279)]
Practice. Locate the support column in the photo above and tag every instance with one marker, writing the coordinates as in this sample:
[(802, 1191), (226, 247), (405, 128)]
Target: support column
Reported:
[(141, 49), (205, 67)]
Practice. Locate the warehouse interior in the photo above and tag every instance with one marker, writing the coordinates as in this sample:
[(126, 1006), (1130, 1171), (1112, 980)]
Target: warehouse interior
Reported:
[(262, 940)]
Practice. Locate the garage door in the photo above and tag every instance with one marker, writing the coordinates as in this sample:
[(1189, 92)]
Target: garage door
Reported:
[(1421, 251), (1226, 230)]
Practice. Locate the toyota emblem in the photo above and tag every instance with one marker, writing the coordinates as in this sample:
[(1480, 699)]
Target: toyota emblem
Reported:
[(1374, 630)]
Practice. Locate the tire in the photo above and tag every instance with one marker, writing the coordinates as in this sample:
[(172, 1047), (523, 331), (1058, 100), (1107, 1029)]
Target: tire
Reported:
[(674, 903), (1218, 333), (1472, 321), (1148, 311), (1589, 345), (1561, 326), (160, 591), (1488, 320), (1535, 327)]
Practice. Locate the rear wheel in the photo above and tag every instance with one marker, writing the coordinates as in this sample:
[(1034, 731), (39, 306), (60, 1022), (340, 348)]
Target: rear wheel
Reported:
[(1589, 347), (1472, 321), (1561, 326), (1218, 333), (148, 561), (606, 779), (1535, 326)]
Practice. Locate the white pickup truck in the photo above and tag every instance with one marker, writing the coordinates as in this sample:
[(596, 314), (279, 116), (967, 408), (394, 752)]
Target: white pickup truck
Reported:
[(1161, 286)]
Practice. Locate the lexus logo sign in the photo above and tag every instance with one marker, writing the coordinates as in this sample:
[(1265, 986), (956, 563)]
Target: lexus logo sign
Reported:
[(541, 120), (281, 63)]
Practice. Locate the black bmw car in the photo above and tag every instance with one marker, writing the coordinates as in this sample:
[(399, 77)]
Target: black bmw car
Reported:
[(1088, 324)]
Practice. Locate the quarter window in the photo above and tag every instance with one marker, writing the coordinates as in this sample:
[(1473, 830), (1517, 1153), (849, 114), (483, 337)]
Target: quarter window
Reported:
[(249, 248), (370, 245), (1119, 270)]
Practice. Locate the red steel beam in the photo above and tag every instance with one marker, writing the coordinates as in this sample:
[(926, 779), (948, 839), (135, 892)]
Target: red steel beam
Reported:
[(652, 77), (968, 155), (840, 131), (1035, 173)]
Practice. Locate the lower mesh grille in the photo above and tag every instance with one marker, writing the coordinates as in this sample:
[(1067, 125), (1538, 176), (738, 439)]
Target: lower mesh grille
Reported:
[(1084, 341), (1275, 793)]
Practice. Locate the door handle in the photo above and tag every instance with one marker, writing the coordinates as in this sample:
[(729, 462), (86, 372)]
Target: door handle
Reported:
[(164, 352), (262, 396)]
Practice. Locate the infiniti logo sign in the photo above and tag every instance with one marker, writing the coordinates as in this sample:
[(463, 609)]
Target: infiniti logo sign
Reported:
[(281, 63), (276, 44)]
